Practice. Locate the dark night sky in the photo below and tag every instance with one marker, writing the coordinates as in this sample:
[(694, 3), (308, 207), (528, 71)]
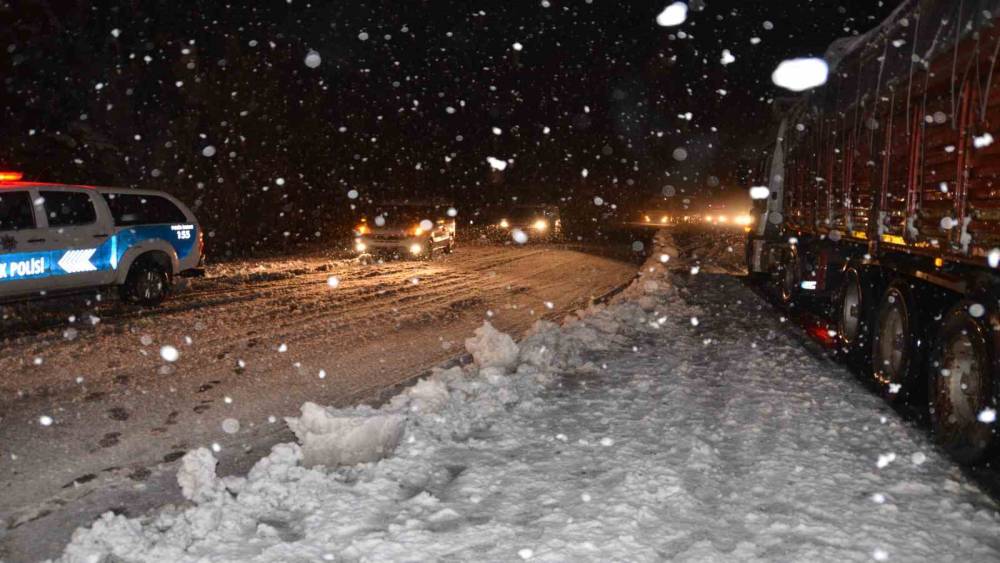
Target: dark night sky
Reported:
[(139, 108)]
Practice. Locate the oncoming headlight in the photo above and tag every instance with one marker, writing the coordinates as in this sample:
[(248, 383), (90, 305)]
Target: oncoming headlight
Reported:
[(416, 249), (504, 224), (540, 225), (360, 246)]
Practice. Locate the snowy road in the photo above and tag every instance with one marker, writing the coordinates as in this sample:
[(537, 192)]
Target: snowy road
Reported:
[(255, 340), (683, 422)]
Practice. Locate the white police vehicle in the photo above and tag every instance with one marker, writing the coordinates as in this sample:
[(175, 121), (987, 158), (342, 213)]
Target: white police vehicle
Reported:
[(57, 238)]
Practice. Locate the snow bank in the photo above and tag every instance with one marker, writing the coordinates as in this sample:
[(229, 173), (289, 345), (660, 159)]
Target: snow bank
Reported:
[(491, 348), (612, 436), (196, 475), (333, 437)]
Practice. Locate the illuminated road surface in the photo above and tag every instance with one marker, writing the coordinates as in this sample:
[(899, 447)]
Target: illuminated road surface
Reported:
[(255, 340)]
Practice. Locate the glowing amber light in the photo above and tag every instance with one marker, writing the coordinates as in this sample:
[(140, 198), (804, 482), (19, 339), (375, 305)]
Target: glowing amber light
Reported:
[(10, 176)]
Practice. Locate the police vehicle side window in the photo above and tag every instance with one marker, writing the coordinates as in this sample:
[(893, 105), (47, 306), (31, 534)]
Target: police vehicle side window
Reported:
[(68, 209), (136, 209), (15, 211)]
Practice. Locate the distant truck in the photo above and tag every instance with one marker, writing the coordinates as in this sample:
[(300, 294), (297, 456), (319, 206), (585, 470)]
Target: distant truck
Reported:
[(882, 200), (58, 238), (405, 230)]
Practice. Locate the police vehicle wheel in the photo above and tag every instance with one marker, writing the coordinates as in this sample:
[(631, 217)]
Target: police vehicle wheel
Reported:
[(895, 344), (962, 386), (147, 283)]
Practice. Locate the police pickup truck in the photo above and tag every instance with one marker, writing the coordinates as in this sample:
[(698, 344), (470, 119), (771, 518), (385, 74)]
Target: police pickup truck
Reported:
[(57, 238)]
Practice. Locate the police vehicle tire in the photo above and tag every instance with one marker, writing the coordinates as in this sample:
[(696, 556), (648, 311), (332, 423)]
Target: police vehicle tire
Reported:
[(147, 283), (962, 384), (896, 348)]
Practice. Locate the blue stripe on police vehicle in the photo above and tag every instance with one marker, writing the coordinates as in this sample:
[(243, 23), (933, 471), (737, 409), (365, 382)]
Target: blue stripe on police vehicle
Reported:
[(107, 256)]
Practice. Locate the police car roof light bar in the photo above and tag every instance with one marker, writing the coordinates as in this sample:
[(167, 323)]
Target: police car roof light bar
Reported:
[(7, 176)]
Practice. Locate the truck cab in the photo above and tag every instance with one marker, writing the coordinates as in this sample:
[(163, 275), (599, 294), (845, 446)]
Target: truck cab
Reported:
[(60, 238)]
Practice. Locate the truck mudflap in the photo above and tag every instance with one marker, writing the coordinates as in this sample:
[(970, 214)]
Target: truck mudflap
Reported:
[(757, 265)]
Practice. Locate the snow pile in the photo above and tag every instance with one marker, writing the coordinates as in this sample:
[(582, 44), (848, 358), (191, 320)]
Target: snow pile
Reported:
[(197, 475), (625, 433), (333, 437), (491, 348)]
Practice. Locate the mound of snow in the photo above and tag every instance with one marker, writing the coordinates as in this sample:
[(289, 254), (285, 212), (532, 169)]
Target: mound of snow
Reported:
[(429, 395), (196, 476), (333, 437), (491, 348)]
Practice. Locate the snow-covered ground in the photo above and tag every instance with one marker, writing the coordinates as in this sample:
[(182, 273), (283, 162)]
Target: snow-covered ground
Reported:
[(679, 422)]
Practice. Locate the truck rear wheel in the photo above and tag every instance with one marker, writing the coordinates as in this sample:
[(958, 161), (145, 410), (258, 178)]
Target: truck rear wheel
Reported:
[(147, 283), (961, 386), (895, 345), (854, 319)]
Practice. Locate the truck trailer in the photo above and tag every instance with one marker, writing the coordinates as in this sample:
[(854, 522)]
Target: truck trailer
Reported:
[(881, 200)]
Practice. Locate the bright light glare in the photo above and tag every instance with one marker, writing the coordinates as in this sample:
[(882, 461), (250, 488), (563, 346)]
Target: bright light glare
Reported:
[(362, 229), (723, 219), (801, 74), (504, 224), (673, 15), (759, 192), (664, 219), (360, 246), (540, 225), (743, 220), (416, 249)]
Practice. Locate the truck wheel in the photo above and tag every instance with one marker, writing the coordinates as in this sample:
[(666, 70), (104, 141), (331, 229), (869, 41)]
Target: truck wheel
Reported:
[(147, 283), (961, 385), (895, 345), (854, 303)]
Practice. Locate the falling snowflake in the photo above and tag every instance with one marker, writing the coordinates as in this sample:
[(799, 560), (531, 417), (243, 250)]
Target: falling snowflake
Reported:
[(313, 59), (672, 15), (727, 58), (801, 74), (496, 163), (169, 353), (987, 416)]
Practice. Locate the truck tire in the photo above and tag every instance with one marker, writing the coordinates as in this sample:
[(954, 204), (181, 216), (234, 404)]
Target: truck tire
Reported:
[(147, 283), (853, 312), (895, 344), (961, 384)]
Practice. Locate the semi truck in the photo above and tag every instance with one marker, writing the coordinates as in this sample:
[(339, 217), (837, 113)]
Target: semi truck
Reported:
[(881, 201)]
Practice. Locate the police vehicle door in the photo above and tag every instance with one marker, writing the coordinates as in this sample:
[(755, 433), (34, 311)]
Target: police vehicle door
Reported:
[(79, 227), (22, 242)]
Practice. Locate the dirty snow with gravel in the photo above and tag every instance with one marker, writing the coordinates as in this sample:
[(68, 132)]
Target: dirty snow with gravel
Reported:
[(626, 433)]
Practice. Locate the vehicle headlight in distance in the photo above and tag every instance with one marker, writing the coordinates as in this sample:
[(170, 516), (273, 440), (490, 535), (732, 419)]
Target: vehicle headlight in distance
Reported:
[(540, 225), (362, 229), (664, 219), (360, 246), (648, 220), (504, 224), (723, 219), (744, 220), (418, 230), (416, 249)]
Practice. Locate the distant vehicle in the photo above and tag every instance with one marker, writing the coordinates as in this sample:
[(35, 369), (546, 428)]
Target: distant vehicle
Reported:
[(538, 222), (402, 230), (880, 201), (57, 238)]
